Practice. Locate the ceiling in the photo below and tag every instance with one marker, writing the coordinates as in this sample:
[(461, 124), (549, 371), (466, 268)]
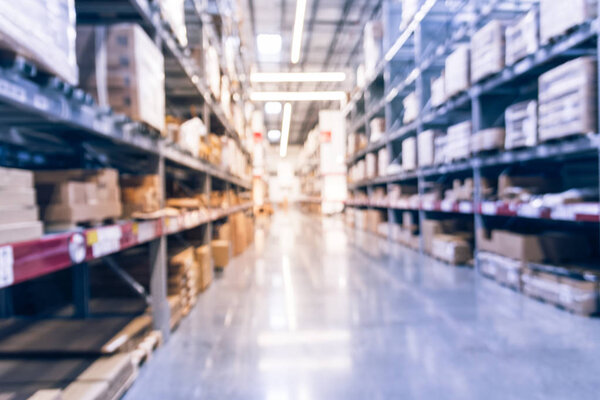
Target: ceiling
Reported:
[(332, 41)]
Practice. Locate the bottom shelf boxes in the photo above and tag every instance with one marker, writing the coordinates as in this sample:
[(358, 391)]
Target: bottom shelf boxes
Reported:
[(502, 269)]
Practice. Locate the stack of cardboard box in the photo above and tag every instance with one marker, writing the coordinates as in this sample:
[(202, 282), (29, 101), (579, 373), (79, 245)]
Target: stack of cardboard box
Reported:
[(183, 276), (459, 141), (448, 239), (522, 38), (556, 19), (487, 140), (140, 194), (134, 75), (69, 197), (220, 250), (204, 262), (487, 51), (457, 71), (521, 125), (18, 210)]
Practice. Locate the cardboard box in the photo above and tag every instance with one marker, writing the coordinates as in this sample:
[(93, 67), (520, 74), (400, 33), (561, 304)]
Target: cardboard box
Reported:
[(140, 194), (558, 17), (522, 38), (15, 178), (487, 51), (451, 249), (383, 230), (409, 154), (521, 125), (374, 218), (371, 165), (238, 233), (457, 71), (568, 99), (43, 32), (440, 151), (580, 297), (504, 270), (541, 285), (190, 136), (203, 258), (220, 253), (487, 140), (20, 231), (135, 72), (377, 129), (426, 146)]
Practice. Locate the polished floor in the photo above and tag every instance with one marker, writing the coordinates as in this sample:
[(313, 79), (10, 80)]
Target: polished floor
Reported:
[(315, 311)]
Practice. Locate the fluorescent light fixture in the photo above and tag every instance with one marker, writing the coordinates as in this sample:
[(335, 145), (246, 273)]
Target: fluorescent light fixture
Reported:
[(285, 129), (274, 135), (282, 77), (298, 96), (273, 107), (268, 43), (298, 30)]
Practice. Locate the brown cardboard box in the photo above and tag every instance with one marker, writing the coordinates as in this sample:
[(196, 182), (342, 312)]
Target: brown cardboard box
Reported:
[(140, 194), (220, 253), (12, 177), (452, 249), (487, 139), (425, 147), (519, 246), (17, 197), (224, 232), (238, 233), (533, 183), (203, 259), (541, 285), (374, 218), (20, 232), (578, 296), (522, 38)]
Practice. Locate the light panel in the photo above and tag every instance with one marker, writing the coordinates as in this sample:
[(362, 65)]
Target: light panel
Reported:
[(298, 30), (268, 43), (284, 77), (298, 96), (285, 129), (273, 107), (274, 135)]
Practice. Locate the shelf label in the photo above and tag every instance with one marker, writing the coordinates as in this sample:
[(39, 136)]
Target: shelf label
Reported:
[(108, 241), (146, 231), (12, 91), (465, 207), (447, 205), (7, 261), (529, 211), (488, 208)]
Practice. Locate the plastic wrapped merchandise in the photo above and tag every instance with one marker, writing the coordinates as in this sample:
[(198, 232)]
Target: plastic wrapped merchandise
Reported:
[(190, 134), (411, 108), (458, 145), (522, 38), (383, 161), (557, 17), (43, 32), (521, 125), (457, 71), (568, 99), (213, 71), (409, 154), (487, 51), (426, 147), (377, 126), (373, 46), (371, 165), (135, 72), (409, 9), (173, 11), (438, 91)]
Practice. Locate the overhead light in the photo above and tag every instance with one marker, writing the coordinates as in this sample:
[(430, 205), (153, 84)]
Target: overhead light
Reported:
[(273, 107), (285, 129), (274, 135), (268, 44), (278, 77), (298, 29), (412, 26), (298, 96)]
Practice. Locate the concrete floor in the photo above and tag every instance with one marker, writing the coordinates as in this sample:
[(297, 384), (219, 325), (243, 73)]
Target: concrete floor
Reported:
[(315, 311)]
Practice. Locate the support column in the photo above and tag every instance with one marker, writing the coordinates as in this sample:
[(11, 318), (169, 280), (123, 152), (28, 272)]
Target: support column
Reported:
[(81, 290)]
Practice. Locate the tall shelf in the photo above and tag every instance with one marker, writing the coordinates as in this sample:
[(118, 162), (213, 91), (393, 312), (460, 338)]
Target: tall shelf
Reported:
[(42, 116), (415, 56)]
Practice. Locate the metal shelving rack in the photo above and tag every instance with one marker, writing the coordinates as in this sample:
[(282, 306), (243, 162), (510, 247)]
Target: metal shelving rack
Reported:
[(94, 136), (415, 55)]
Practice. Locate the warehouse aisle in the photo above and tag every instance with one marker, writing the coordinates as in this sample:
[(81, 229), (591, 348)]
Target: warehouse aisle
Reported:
[(315, 311)]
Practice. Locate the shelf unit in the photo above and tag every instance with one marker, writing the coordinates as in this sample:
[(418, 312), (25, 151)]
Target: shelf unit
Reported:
[(41, 115), (417, 54)]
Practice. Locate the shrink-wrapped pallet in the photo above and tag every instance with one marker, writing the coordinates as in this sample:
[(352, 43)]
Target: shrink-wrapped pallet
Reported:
[(557, 17), (521, 125), (522, 38), (487, 51), (457, 71), (487, 139), (43, 32), (135, 75), (568, 99)]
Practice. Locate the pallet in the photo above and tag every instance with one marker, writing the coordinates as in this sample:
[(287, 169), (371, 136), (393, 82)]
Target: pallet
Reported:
[(54, 227)]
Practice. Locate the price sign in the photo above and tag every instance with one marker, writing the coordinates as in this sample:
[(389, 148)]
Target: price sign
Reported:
[(7, 261), (107, 241), (146, 231)]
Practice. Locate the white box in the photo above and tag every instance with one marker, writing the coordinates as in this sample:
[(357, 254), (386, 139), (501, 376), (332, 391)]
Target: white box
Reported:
[(371, 165), (438, 91), (409, 154), (383, 161), (377, 126), (558, 16), (522, 38), (457, 71), (411, 108), (440, 151), (458, 145), (487, 51), (426, 147)]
